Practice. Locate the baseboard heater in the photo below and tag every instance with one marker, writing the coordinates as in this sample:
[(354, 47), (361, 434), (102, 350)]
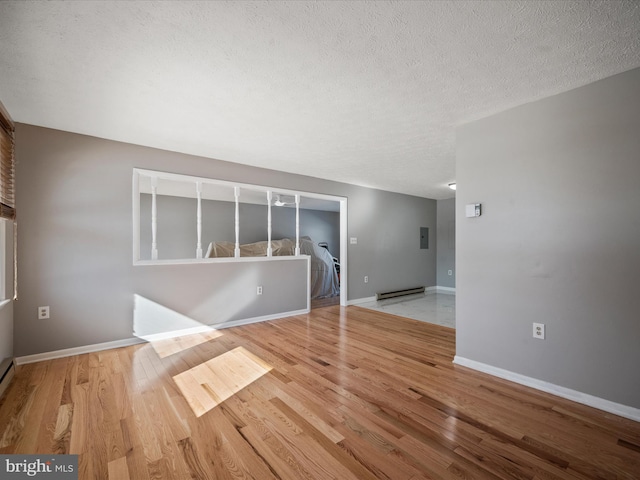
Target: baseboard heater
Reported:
[(7, 371), (399, 293)]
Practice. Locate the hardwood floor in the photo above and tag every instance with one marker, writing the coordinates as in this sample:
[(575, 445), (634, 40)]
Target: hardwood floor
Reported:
[(325, 302), (341, 393)]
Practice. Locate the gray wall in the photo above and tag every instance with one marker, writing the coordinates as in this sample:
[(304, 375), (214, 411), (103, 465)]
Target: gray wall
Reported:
[(75, 244), (318, 225), (558, 241), (446, 234), (177, 234)]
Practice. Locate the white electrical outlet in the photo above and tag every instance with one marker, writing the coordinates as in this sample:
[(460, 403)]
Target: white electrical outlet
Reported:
[(43, 313), (259, 290), (353, 240), (450, 272), (538, 331), (366, 279)]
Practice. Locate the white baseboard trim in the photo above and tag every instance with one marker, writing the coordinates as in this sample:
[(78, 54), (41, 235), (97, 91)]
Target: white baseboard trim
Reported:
[(631, 413), (218, 326), (263, 318), (358, 301), (154, 337), (438, 289), (68, 352), (97, 347)]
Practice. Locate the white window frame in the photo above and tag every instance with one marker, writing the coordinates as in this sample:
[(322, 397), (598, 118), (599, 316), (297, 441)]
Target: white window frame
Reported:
[(4, 298)]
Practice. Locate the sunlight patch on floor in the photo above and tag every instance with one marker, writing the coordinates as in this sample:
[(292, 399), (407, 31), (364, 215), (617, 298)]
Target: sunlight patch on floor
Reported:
[(170, 346), (211, 383)]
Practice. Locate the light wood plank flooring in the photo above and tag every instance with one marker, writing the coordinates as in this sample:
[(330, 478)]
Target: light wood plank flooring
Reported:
[(325, 302), (341, 393)]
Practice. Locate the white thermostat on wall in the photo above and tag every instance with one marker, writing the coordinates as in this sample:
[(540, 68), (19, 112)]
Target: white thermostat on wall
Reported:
[(472, 210)]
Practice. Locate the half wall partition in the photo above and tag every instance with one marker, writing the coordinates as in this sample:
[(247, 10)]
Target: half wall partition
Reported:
[(181, 219)]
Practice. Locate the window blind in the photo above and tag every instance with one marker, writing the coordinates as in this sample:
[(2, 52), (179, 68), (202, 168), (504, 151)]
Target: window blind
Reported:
[(7, 166)]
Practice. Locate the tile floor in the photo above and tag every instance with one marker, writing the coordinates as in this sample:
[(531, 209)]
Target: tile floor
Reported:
[(438, 308)]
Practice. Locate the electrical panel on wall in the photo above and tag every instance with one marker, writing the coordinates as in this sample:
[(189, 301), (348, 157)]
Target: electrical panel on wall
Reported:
[(424, 238), (472, 210)]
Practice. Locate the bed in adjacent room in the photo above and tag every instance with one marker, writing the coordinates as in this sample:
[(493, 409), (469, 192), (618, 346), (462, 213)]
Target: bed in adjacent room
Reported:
[(324, 282)]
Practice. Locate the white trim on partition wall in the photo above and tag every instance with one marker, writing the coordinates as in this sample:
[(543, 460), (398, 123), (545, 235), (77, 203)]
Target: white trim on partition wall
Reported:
[(154, 176), (579, 397), (98, 347), (344, 246)]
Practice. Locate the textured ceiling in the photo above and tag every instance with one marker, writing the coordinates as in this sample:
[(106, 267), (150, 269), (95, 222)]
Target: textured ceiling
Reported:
[(360, 92)]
